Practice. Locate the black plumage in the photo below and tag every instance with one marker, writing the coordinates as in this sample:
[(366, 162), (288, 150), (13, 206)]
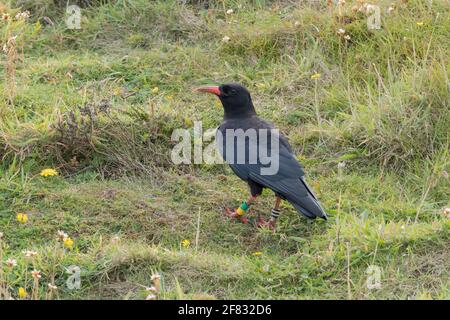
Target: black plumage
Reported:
[(289, 182)]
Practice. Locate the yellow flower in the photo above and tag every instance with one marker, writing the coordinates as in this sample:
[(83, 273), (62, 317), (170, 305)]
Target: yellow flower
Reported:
[(420, 23), (169, 98), (68, 243), (117, 91), (315, 76), (22, 293), (218, 103), (188, 122), (185, 243), (22, 217), (49, 172), (155, 90), (257, 254)]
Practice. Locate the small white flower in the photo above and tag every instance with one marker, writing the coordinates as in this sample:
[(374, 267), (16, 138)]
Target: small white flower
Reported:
[(347, 37), (22, 15), (11, 262), (390, 9), (151, 297), (370, 7), (36, 274), (62, 235), (341, 31), (155, 277), (226, 39), (447, 212), (52, 286), (296, 23), (151, 289), (341, 165), (363, 8), (230, 11), (29, 253)]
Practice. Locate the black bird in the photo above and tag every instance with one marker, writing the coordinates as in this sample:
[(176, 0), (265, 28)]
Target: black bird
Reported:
[(288, 181)]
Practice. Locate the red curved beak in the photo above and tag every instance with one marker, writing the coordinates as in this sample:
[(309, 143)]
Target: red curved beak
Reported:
[(210, 89)]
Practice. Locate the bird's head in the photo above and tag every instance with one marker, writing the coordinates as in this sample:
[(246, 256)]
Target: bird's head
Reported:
[(236, 100)]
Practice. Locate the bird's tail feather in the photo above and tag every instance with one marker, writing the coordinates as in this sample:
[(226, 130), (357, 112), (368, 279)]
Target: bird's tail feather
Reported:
[(311, 213), (309, 206)]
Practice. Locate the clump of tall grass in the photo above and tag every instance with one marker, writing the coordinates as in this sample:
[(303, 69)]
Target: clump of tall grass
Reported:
[(115, 141), (403, 120)]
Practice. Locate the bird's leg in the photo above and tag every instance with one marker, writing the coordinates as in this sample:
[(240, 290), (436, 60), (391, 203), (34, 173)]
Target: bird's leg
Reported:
[(273, 217), (239, 212)]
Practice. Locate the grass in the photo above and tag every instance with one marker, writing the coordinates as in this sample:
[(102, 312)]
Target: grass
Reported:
[(83, 102)]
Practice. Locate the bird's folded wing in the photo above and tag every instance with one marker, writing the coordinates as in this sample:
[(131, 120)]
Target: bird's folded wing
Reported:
[(288, 181)]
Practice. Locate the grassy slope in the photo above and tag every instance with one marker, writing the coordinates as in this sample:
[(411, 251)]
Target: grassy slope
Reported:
[(380, 106)]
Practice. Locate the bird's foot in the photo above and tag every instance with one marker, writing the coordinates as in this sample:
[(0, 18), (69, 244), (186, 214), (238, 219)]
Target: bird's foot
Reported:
[(234, 215), (261, 223)]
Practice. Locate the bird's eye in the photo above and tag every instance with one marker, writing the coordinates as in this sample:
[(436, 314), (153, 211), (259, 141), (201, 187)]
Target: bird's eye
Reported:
[(228, 90)]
